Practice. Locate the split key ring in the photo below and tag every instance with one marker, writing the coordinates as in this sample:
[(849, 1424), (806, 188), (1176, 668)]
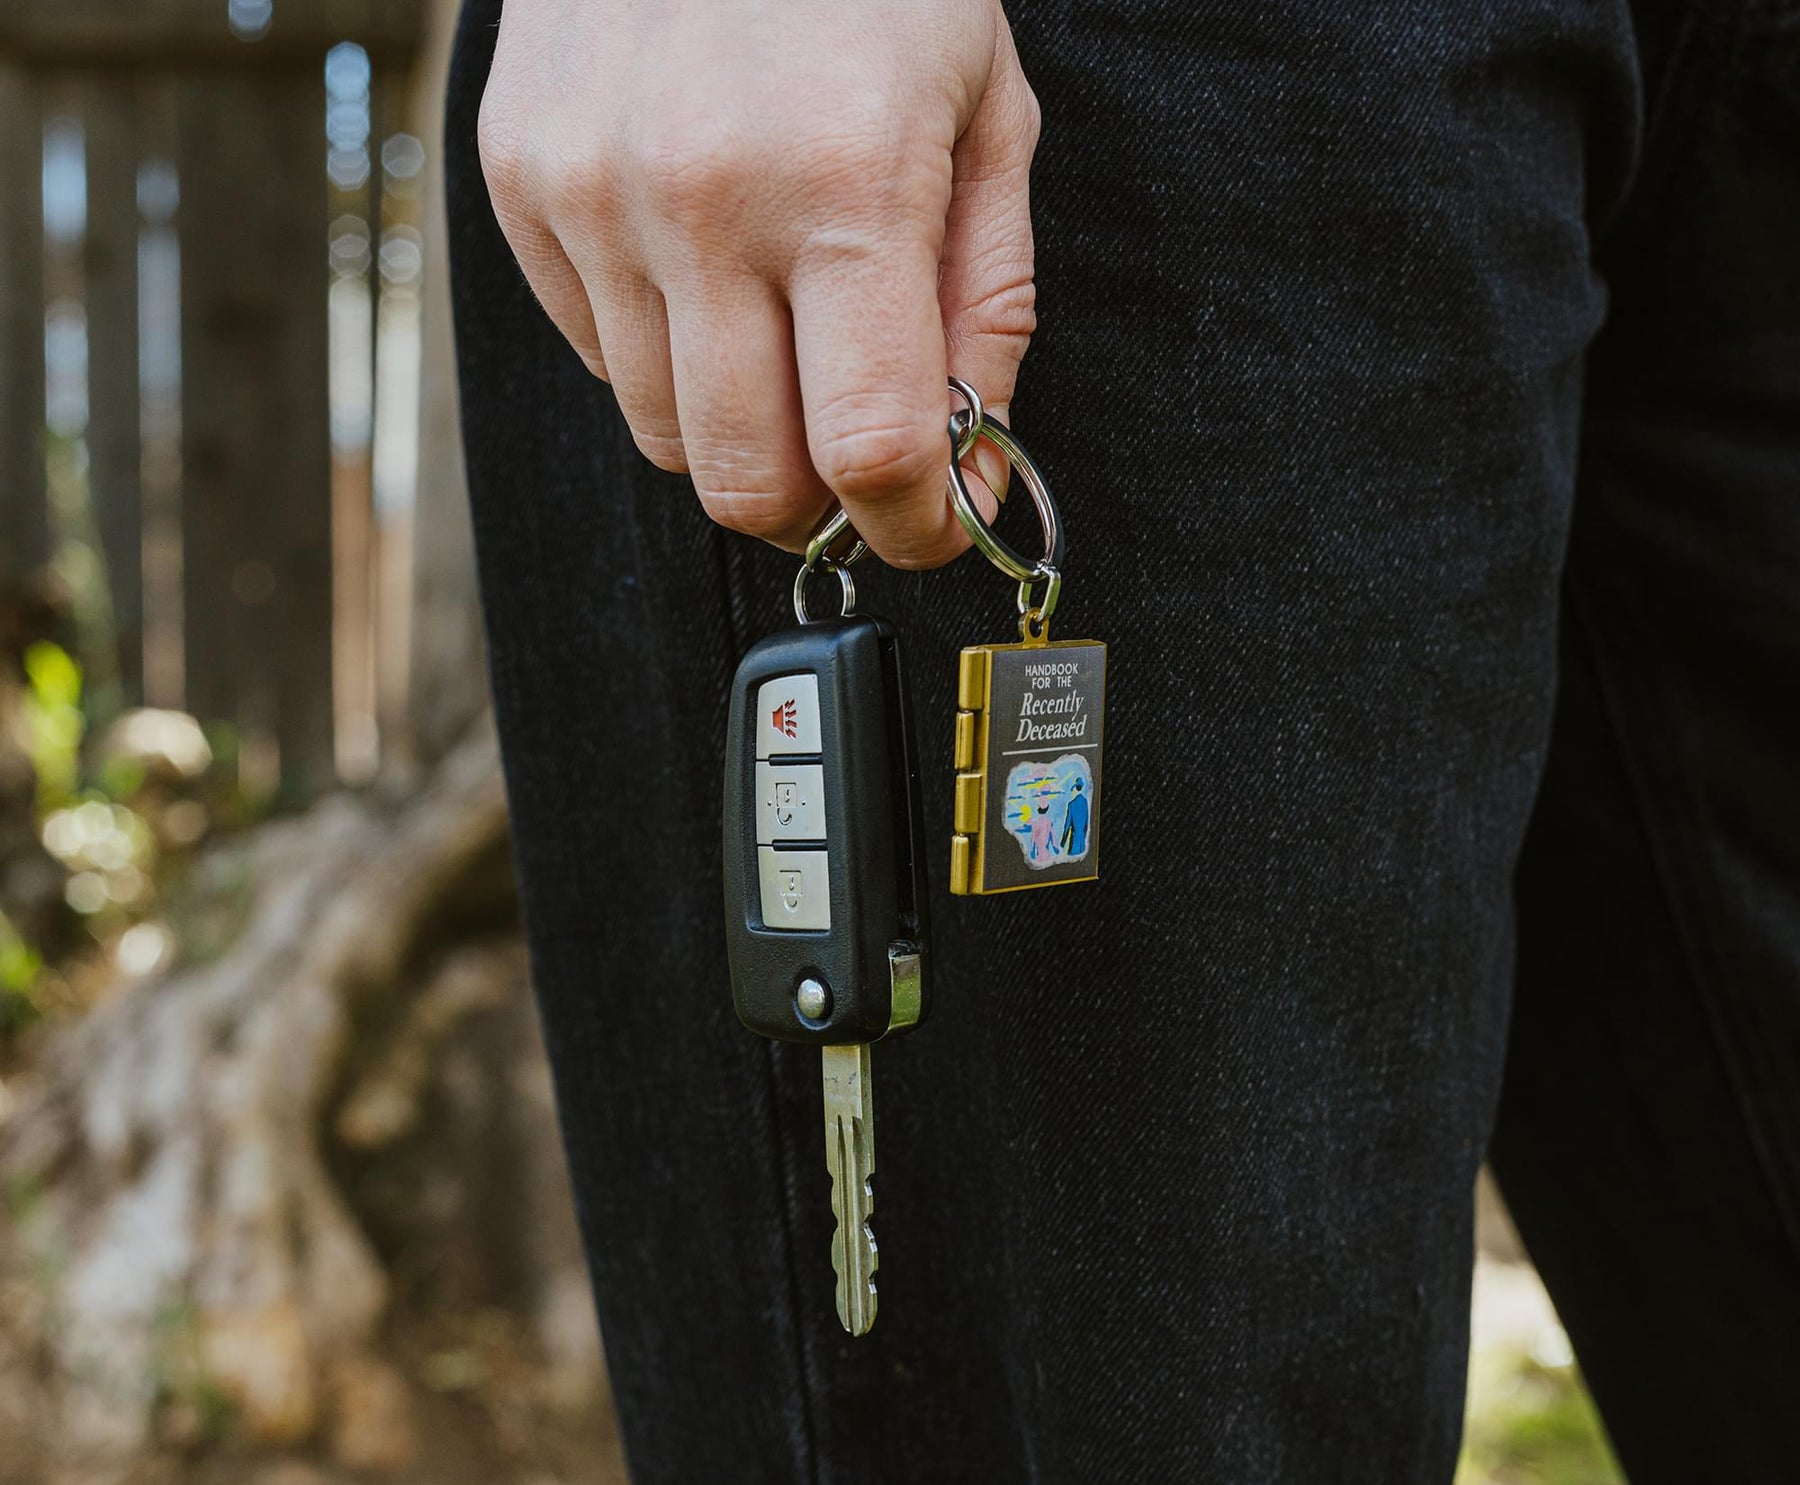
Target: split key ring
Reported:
[(967, 428)]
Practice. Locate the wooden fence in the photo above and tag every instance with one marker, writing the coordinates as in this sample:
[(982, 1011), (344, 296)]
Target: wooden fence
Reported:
[(209, 481)]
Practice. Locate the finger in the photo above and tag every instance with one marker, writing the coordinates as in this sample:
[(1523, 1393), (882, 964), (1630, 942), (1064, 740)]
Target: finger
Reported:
[(986, 287), (869, 345), (634, 328), (558, 287), (515, 190), (986, 471), (738, 392)]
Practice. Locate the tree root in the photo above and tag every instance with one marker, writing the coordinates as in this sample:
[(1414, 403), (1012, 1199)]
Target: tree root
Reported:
[(182, 1243)]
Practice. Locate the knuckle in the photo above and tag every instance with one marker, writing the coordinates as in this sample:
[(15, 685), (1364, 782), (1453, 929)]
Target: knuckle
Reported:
[(664, 450), (582, 188), (1006, 312), (707, 174), (538, 175), (764, 514), (1031, 116), (861, 160), (689, 172), (872, 457), (870, 177), (500, 145), (922, 558)]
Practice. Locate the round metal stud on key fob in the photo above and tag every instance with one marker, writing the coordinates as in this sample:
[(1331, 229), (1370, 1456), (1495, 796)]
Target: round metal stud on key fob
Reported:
[(812, 1000)]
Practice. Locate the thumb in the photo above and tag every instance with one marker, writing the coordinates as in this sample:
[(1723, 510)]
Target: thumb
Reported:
[(985, 287)]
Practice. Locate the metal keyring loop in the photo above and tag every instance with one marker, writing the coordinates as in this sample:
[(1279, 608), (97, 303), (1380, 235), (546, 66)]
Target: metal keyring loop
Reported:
[(818, 546), (965, 426), (1052, 592), (987, 540), (846, 583)]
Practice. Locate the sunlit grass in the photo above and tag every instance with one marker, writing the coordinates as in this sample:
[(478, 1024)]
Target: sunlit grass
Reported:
[(1530, 1420)]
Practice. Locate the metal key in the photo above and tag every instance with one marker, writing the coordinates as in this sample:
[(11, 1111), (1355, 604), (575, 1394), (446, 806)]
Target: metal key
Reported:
[(850, 1155), (825, 887)]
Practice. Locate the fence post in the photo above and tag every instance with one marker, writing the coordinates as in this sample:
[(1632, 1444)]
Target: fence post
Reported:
[(447, 681), (255, 432), (110, 116), (24, 515)]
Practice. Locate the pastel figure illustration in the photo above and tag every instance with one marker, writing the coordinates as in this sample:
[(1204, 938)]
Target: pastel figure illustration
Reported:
[(1048, 810), (1073, 840)]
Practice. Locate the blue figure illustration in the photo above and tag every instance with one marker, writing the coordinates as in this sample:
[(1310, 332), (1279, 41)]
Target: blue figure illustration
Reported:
[(1048, 810), (1075, 825)]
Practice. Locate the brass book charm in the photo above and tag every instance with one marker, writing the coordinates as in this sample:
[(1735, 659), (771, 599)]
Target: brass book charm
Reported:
[(1029, 729)]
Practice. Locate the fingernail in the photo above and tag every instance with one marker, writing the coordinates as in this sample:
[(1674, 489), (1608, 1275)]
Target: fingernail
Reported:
[(992, 465)]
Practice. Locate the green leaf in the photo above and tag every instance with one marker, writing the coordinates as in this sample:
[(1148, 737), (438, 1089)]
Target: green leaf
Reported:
[(54, 675)]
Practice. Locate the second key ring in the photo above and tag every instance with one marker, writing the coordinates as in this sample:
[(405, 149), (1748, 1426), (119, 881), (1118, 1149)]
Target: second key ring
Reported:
[(988, 541)]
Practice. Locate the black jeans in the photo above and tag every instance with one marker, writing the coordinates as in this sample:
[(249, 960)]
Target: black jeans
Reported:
[(1421, 385)]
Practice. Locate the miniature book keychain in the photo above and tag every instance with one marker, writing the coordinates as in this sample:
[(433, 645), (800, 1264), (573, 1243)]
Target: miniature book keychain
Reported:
[(1030, 715)]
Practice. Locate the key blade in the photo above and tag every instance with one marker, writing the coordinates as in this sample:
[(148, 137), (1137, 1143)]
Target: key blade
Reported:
[(850, 1155)]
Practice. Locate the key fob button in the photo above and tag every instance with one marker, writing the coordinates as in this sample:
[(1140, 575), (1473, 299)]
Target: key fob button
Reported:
[(787, 716), (790, 802), (796, 888)]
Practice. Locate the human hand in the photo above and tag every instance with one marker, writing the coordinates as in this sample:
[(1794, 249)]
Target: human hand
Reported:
[(773, 227)]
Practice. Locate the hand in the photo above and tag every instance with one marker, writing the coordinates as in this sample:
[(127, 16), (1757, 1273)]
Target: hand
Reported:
[(772, 225)]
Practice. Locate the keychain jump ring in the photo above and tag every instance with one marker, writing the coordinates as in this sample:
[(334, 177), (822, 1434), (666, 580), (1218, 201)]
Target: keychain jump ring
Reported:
[(986, 540), (846, 583), (1052, 579), (965, 426), (819, 544), (818, 554)]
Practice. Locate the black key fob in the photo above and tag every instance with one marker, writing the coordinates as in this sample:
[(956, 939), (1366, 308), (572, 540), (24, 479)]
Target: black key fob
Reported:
[(825, 900)]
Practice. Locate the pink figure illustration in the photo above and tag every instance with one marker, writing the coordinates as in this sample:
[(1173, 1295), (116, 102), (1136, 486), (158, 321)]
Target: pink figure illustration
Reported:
[(1040, 833)]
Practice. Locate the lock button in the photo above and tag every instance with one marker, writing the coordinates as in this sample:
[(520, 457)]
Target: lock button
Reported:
[(795, 888)]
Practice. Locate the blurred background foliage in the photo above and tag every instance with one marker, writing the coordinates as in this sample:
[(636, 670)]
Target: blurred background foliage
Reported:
[(1532, 1424), (255, 912)]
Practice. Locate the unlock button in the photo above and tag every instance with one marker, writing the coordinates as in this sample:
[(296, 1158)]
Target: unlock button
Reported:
[(796, 888), (790, 802)]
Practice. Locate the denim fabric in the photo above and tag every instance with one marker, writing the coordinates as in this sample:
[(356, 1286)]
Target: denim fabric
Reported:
[(1649, 1131), (1175, 1185)]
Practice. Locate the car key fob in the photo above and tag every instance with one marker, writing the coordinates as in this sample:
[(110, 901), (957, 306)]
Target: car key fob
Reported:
[(825, 898)]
